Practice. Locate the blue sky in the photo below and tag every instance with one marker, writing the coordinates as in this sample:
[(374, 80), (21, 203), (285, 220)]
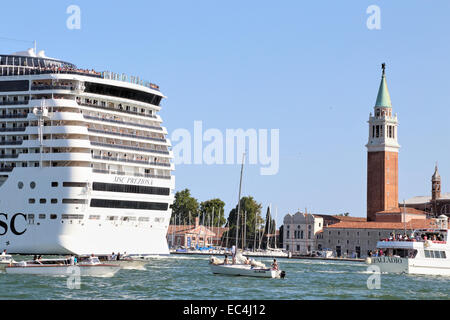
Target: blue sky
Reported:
[(308, 68)]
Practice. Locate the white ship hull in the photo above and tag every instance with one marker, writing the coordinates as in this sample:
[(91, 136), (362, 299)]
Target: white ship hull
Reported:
[(411, 266), (75, 236)]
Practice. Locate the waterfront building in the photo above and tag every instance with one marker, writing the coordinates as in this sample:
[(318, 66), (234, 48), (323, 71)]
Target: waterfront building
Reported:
[(192, 236), (302, 231), (357, 239)]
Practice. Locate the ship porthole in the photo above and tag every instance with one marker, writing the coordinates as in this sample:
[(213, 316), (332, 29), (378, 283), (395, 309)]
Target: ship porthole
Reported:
[(20, 185), (32, 185)]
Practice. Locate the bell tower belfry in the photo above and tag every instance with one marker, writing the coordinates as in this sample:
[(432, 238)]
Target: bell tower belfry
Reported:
[(382, 154), (436, 185)]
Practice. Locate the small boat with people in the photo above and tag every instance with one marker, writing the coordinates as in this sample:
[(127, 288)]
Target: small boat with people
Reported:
[(424, 251), (87, 266), (242, 266), (5, 260)]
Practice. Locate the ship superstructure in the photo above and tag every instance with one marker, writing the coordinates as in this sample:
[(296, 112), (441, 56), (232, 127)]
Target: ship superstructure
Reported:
[(85, 165)]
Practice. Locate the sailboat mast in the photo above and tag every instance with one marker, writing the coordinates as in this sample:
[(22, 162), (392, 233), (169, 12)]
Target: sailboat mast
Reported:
[(268, 226), (254, 236), (239, 202), (245, 230), (275, 226), (212, 225)]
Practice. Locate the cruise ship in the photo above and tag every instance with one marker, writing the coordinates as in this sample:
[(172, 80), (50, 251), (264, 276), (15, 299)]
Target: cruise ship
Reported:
[(85, 164)]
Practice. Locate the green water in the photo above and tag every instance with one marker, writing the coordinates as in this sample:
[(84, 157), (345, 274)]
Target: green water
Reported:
[(189, 277)]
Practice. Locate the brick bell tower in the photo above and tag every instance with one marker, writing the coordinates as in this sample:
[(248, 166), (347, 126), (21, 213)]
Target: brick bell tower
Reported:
[(382, 155)]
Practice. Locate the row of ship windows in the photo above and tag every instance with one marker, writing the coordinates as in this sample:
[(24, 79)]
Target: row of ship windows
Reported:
[(435, 254), (107, 187), (54, 201), (113, 204), (91, 87), (122, 204), (42, 216), (20, 184)]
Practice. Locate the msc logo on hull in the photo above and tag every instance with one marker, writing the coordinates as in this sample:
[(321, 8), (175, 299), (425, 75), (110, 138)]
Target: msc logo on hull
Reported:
[(6, 224)]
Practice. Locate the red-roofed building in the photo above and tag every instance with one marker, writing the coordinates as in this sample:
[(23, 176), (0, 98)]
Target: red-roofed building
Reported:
[(357, 239), (191, 236)]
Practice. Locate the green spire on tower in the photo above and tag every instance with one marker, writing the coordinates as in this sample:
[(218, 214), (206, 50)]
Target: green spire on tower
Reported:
[(383, 98)]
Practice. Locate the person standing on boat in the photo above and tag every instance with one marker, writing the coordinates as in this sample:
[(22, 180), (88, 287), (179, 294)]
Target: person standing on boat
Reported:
[(275, 264), (72, 260), (4, 253), (233, 254), (113, 256), (225, 261)]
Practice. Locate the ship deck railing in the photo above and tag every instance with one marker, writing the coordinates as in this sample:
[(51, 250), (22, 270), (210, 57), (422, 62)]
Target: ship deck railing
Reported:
[(117, 110), (13, 116), (13, 103), (131, 160), (52, 87), (26, 71), (126, 135), (109, 145), (12, 129), (9, 156), (122, 122), (10, 143), (412, 240)]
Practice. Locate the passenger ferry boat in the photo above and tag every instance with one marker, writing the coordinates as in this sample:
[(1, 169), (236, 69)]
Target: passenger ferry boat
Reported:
[(85, 165), (427, 251)]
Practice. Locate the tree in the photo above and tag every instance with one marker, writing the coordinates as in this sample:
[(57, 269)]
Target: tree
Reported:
[(269, 228), (213, 210), (249, 215), (343, 214), (183, 206)]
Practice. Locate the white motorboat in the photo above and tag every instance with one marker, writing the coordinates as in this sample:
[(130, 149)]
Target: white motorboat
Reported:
[(6, 260), (252, 269), (62, 267), (246, 270), (127, 262), (427, 251)]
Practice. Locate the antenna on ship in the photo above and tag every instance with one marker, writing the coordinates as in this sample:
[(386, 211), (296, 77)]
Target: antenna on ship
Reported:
[(41, 113)]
